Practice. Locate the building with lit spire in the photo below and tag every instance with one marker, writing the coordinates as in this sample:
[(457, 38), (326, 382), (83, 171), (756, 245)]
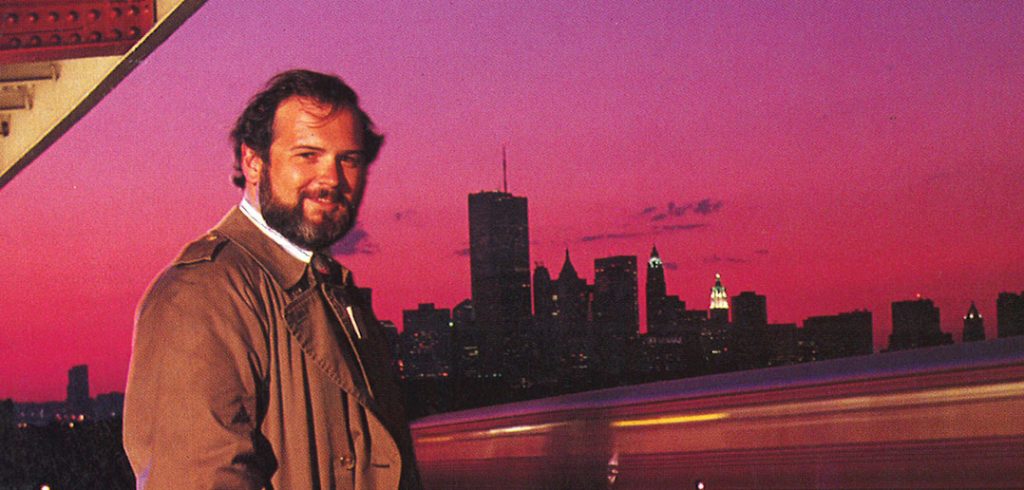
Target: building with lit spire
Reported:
[(974, 325), (719, 302), (656, 292)]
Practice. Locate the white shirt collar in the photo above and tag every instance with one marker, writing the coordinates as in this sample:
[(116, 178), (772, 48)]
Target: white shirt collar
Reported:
[(256, 217)]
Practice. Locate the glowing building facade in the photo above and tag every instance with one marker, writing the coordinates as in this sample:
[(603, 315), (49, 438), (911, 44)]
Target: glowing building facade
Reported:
[(719, 311), (656, 290)]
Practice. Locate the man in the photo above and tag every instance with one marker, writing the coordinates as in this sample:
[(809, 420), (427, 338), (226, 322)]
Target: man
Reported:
[(255, 362)]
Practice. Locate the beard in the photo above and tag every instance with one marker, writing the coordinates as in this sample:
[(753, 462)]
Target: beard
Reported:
[(291, 221)]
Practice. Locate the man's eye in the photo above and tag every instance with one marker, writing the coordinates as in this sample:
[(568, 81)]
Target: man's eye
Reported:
[(307, 155), (352, 160)]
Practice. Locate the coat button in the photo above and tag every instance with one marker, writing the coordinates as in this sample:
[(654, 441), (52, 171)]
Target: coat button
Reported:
[(347, 462)]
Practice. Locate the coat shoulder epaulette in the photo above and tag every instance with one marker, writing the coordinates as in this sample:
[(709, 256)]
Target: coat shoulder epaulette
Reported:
[(204, 249)]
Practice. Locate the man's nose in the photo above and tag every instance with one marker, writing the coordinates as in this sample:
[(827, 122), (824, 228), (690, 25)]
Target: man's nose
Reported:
[(329, 173)]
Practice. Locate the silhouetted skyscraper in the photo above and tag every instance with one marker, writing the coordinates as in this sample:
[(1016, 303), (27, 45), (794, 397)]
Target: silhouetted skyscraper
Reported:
[(78, 402), (573, 297), (657, 316), (784, 345), (916, 324), (974, 325), (616, 310), (748, 335), (427, 341), (749, 309), (842, 335), (499, 259), (616, 299), (543, 294), (1010, 314), (467, 339), (109, 405)]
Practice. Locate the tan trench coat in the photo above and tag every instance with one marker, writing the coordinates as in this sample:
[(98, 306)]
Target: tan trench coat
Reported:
[(248, 373)]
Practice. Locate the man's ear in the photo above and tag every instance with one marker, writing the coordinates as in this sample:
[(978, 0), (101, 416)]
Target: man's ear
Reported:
[(252, 164)]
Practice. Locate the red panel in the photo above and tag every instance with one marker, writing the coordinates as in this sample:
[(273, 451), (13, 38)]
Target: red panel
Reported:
[(52, 30)]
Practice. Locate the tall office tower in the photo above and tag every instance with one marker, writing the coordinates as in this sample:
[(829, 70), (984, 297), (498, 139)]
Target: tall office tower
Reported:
[(974, 325), (543, 294), (842, 335), (749, 309), (616, 297), (616, 312), (1010, 314), (467, 343), (573, 298), (657, 316), (427, 341), (499, 259), (748, 336), (719, 312), (78, 402), (916, 324)]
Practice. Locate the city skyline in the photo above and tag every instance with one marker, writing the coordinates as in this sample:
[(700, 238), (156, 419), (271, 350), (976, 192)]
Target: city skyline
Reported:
[(830, 156)]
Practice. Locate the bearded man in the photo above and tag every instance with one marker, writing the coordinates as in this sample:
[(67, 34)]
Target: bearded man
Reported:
[(255, 361)]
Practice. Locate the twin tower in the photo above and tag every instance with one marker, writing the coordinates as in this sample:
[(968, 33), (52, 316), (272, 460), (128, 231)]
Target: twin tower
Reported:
[(499, 251)]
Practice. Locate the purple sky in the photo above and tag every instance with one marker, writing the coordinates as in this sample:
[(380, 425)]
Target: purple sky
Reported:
[(847, 155)]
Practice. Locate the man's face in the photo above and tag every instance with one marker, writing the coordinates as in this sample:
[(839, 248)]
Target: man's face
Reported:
[(310, 189)]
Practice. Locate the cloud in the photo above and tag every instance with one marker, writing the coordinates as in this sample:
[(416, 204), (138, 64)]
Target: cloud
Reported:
[(677, 210), (685, 226), (715, 259), (462, 252), (704, 207), (612, 236), (356, 242), (646, 233), (670, 265), (707, 206), (657, 220)]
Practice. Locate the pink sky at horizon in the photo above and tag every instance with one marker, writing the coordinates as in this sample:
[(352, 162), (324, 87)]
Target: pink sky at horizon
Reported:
[(862, 154)]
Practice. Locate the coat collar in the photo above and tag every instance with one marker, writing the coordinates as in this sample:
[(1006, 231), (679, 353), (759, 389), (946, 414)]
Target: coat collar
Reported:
[(285, 269)]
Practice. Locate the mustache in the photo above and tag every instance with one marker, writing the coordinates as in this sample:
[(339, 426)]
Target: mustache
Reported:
[(332, 194)]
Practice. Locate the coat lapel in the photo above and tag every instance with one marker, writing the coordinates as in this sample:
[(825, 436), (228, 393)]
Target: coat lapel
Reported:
[(310, 320), (312, 323)]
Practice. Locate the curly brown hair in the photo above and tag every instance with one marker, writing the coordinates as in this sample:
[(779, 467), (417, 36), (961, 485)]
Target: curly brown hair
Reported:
[(255, 126)]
